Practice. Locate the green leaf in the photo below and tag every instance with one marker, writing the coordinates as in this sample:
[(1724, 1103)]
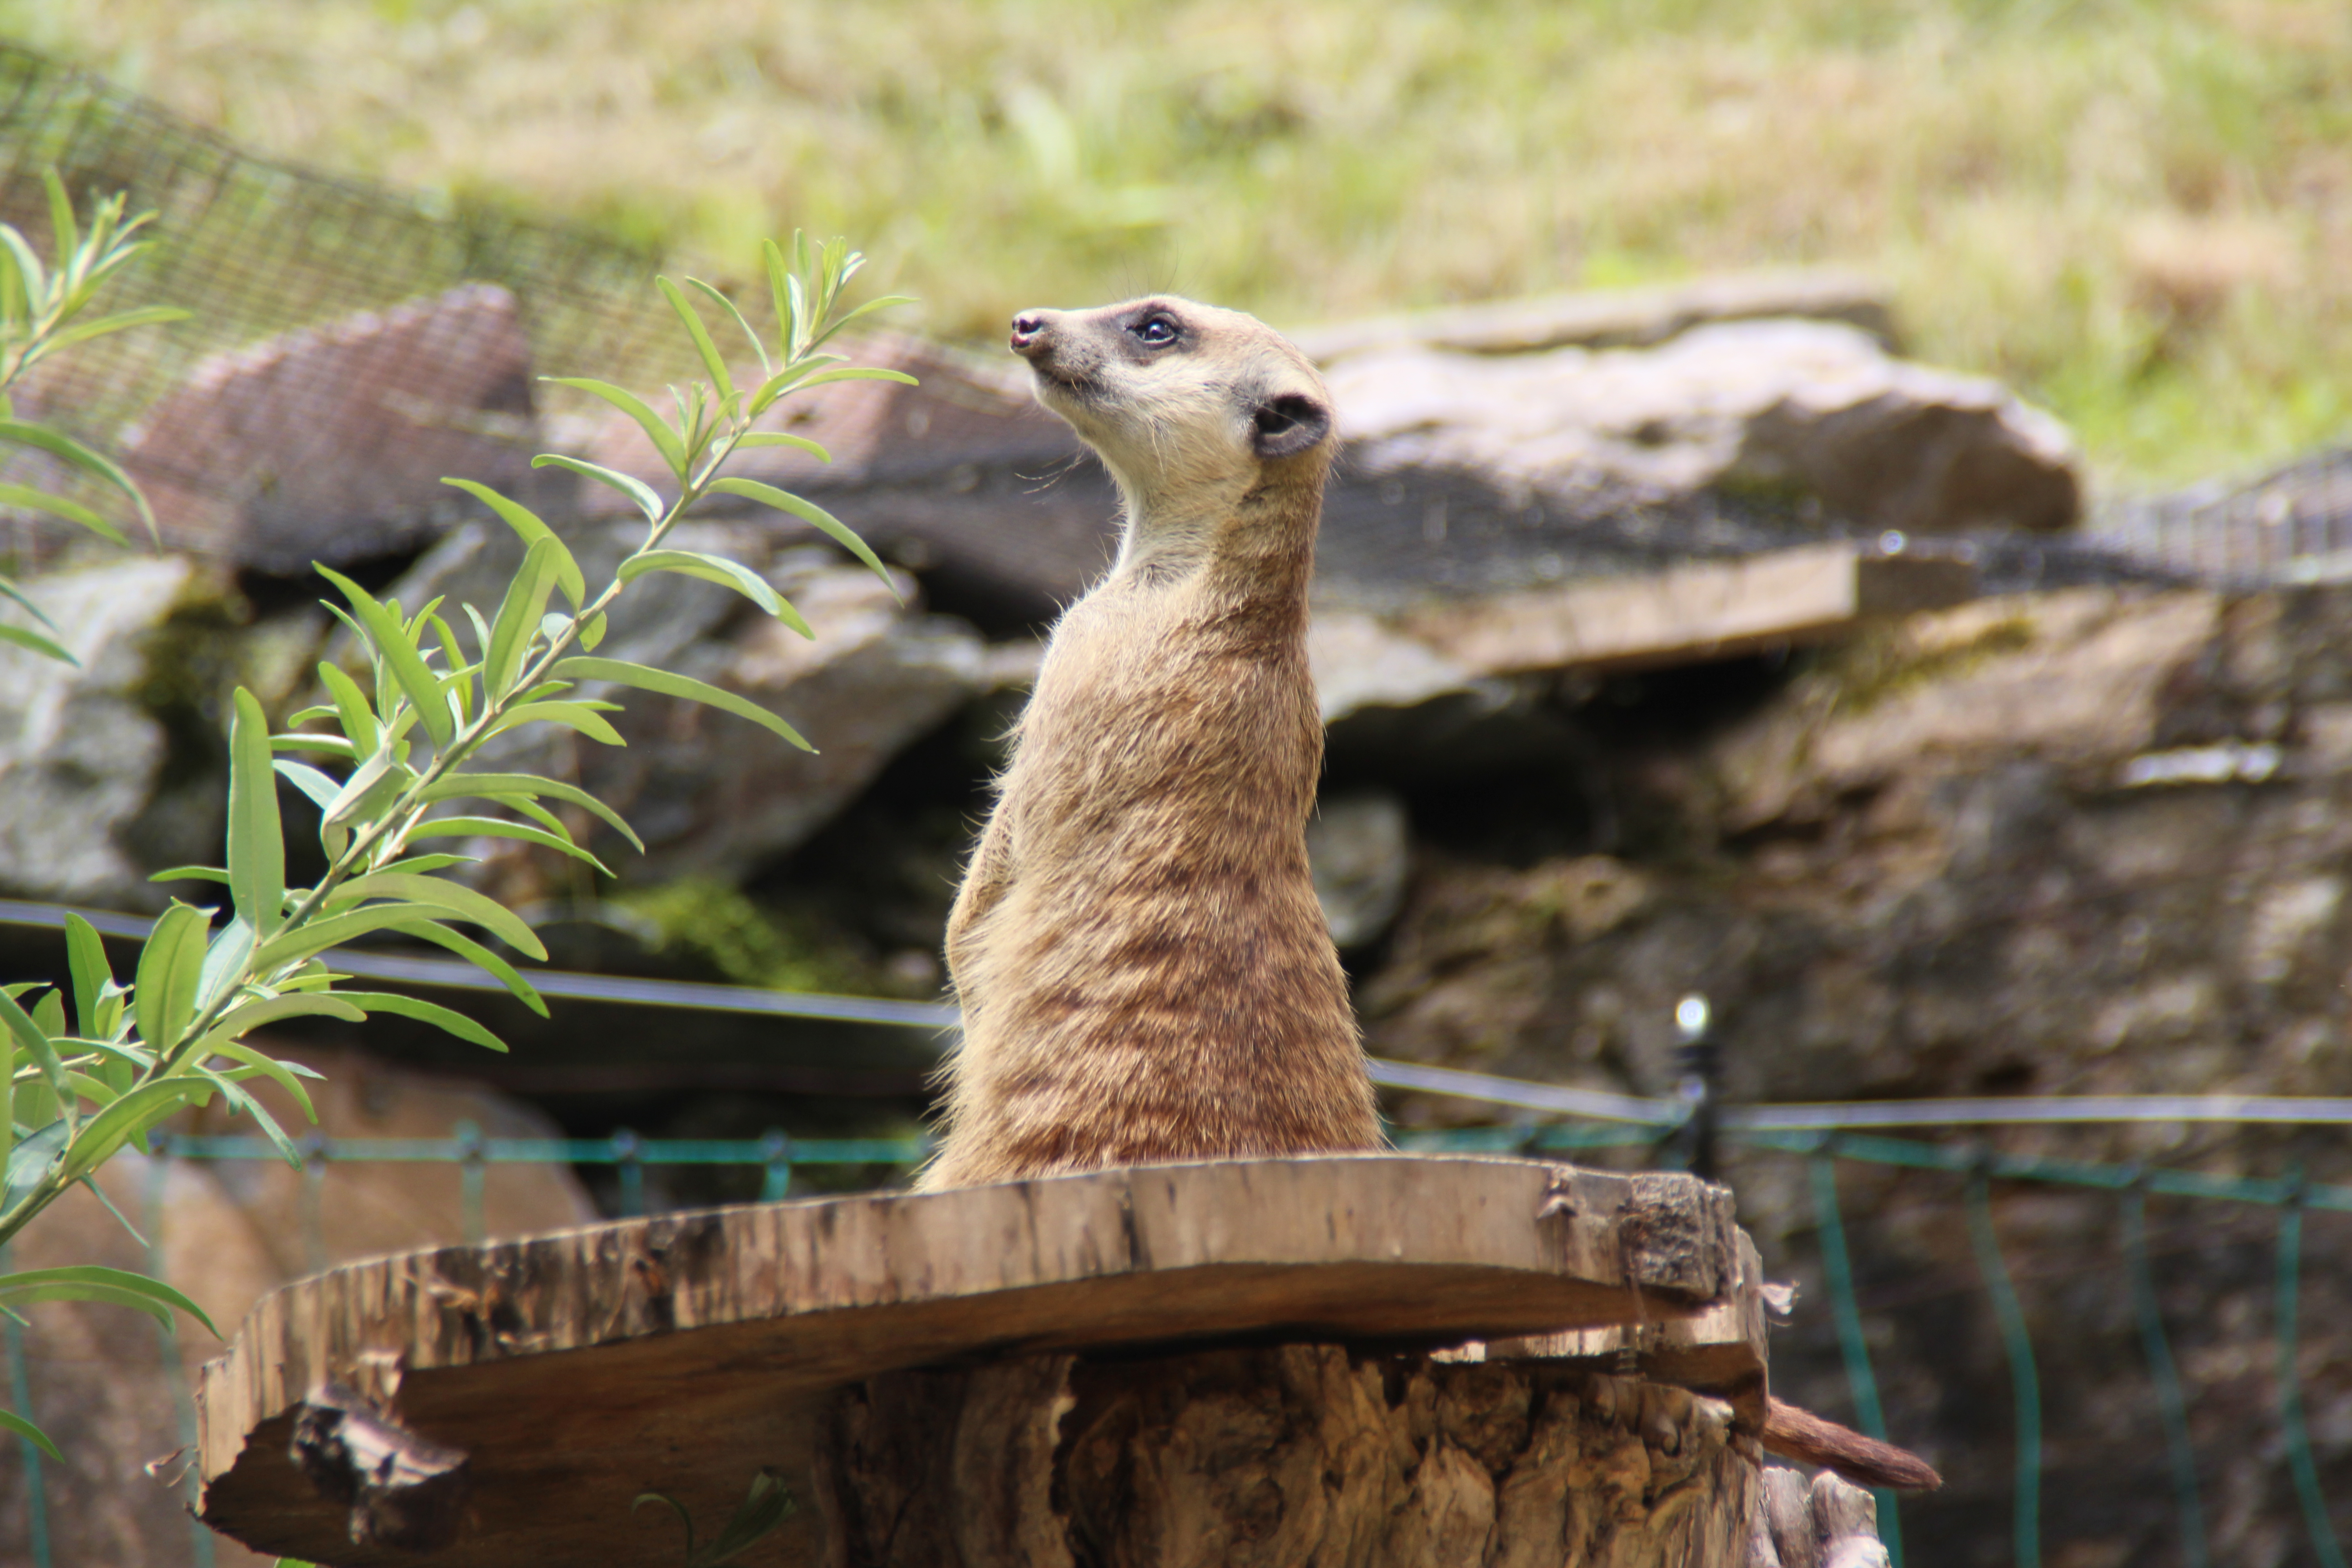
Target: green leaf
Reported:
[(419, 865), (518, 616), (50, 1012), (481, 958), (268, 1066), (30, 1163), (170, 968), (530, 531), (57, 1285), (86, 963), (859, 372), (31, 500), (656, 428), (778, 438), (440, 1018), (35, 278), (320, 789), (227, 960), (577, 716), (371, 786), (392, 643), (729, 306), (716, 569), (256, 845), (121, 320), (250, 1015), (62, 230), (35, 1041), (191, 873), (647, 679), (317, 935), (325, 745), (12, 1422), (787, 299), (359, 720), (711, 360), (885, 302), (495, 828), (528, 787), (808, 511), (636, 489), (230, 1085), (37, 643), (464, 902), (129, 1116)]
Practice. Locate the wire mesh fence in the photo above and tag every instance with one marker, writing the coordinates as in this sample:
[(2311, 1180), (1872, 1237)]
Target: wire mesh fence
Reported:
[(776, 1157), (346, 344)]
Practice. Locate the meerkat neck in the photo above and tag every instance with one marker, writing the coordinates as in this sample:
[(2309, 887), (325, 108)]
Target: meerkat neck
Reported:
[(1258, 545)]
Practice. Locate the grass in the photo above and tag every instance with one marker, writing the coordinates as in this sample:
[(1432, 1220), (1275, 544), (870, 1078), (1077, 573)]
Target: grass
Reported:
[(2137, 210)]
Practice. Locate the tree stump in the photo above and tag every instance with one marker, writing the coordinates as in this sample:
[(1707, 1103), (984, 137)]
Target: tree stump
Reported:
[(1229, 1361), (1279, 1457)]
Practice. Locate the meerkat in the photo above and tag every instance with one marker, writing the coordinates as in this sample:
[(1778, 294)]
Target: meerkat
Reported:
[(1144, 972)]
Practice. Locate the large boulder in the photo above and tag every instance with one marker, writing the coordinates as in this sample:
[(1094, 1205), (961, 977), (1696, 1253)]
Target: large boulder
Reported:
[(79, 749), (711, 793), (330, 443), (113, 1392), (1816, 408)]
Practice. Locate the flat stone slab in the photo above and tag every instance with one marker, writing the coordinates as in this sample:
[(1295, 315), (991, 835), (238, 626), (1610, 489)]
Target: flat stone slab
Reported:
[(577, 1370)]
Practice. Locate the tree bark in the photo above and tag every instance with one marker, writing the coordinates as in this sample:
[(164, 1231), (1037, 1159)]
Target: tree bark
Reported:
[(1275, 1457)]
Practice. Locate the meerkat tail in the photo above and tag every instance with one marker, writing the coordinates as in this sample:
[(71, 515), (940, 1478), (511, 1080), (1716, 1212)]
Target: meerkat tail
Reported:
[(1800, 1434)]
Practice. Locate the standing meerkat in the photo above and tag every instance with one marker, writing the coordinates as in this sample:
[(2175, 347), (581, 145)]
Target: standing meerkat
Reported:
[(1144, 971)]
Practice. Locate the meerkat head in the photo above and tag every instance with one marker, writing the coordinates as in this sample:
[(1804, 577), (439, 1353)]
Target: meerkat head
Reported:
[(1191, 407)]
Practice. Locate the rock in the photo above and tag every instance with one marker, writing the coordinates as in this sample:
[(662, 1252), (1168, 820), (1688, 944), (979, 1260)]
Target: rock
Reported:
[(1812, 406), (712, 793), (1612, 318), (113, 1392), (330, 443), (1941, 863), (78, 754), (1357, 844)]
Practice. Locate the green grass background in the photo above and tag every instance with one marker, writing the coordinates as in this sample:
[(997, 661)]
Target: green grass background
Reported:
[(2137, 210)]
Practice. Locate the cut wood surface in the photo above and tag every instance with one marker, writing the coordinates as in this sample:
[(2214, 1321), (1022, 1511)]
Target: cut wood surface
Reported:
[(1703, 611), (577, 1370)]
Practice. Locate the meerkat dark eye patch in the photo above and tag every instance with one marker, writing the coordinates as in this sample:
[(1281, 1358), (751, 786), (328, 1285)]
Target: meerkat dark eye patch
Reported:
[(1286, 426)]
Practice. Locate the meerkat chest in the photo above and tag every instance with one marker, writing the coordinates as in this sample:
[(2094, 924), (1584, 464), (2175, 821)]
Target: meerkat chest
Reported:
[(1139, 697)]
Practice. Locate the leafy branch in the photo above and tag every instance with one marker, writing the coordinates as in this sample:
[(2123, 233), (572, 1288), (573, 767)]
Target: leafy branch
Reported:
[(42, 312), (71, 1097)]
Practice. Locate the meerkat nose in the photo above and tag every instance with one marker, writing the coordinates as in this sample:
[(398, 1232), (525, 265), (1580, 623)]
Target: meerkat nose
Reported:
[(1028, 330)]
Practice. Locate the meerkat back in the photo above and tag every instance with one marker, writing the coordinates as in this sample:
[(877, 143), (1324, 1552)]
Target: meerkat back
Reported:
[(1143, 968)]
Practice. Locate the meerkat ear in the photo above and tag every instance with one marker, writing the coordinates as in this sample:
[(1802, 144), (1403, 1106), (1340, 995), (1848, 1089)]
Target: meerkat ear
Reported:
[(1287, 425)]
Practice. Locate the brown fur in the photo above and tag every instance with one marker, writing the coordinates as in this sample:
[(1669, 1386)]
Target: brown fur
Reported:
[(1144, 971)]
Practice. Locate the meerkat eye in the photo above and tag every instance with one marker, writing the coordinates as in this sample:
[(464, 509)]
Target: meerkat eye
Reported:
[(1156, 330)]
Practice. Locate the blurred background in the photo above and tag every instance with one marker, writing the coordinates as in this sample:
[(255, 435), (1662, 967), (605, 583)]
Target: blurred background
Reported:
[(2015, 338)]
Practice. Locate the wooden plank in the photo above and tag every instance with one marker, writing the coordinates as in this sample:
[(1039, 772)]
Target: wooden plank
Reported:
[(578, 1369), (1707, 610), (1612, 318), (1720, 1350)]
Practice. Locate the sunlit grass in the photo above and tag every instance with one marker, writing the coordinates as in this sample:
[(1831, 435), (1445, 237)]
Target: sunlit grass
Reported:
[(2140, 213)]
